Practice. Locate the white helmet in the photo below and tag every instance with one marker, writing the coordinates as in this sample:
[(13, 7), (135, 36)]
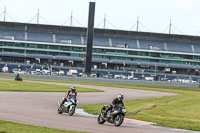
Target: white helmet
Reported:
[(73, 88), (120, 97)]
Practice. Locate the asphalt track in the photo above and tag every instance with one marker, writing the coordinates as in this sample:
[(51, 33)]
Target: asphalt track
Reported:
[(40, 109)]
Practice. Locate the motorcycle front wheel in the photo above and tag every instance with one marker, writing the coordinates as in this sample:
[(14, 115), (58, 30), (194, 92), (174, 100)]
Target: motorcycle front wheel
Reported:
[(71, 110), (118, 120), (100, 120)]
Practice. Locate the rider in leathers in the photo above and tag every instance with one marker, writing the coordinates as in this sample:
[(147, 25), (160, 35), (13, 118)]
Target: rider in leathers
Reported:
[(69, 95), (115, 103)]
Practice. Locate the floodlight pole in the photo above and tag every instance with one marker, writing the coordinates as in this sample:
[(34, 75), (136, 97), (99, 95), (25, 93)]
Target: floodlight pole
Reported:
[(90, 34), (104, 21), (38, 16), (170, 26), (137, 28), (71, 18), (4, 14)]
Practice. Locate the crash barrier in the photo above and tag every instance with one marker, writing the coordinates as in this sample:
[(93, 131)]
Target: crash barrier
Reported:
[(104, 80)]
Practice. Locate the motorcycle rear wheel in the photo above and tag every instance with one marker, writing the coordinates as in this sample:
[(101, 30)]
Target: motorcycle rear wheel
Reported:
[(100, 120), (118, 120)]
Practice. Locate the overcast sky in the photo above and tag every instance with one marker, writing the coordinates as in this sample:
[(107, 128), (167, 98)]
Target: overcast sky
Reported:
[(154, 15)]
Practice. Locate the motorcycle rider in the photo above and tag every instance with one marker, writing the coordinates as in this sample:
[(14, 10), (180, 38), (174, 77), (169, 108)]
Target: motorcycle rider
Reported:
[(69, 95), (17, 77), (115, 103)]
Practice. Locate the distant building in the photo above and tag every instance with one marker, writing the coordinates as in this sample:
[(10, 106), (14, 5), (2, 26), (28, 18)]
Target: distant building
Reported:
[(112, 49)]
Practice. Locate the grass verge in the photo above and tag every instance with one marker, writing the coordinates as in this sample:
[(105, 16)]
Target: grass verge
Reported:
[(181, 111), (11, 85), (13, 127)]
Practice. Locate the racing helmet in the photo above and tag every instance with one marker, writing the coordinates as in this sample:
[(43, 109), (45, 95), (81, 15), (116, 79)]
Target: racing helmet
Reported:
[(120, 97), (73, 88)]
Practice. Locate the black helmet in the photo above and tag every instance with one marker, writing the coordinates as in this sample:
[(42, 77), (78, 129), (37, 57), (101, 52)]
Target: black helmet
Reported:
[(120, 97)]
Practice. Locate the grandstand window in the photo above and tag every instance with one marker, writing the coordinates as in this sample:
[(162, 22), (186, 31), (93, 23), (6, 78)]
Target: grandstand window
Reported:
[(30, 52), (75, 54), (1, 44), (8, 44), (98, 50), (64, 54), (31, 45), (8, 50), (77, 49), (132, 53), (154, 54), (143, 53), (54, 47), (40, 46), (162, 55), (53, 53), (177, 56), (121, 52), (187, 57), (196, 57), (19, 51), (64, 48), (42, 52), (19, 45)]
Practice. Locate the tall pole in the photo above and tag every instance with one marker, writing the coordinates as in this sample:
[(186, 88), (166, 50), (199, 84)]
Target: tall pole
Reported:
[(104, 21), (90, 35), (71, 18), (170, 26), (137, 28), (4, 14), (38, 16)]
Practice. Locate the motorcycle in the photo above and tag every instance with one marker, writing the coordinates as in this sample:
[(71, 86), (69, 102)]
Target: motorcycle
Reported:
[(18, 79), (68, 106), (114, 116)]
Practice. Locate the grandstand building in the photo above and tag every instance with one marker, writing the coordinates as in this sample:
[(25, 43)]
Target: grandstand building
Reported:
[(112, 49)]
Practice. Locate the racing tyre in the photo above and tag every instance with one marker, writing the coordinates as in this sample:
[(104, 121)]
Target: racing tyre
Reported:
[(118, 120), (71, 110), (100, 120), (59, 111)]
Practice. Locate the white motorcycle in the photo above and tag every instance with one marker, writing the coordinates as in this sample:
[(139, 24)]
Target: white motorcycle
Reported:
[(68, 106)]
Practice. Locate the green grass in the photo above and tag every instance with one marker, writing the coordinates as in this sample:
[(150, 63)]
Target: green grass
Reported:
[(11, 85), (13, 127), (181, 111)]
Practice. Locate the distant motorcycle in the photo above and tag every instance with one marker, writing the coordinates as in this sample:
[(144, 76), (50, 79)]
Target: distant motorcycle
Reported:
[(114, 116), (68, 106), (18, 79)]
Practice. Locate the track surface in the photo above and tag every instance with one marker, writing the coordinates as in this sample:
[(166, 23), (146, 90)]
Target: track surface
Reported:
[(40, 109)]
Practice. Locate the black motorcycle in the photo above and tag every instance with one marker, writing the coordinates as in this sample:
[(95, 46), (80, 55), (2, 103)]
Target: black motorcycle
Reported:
[(114, 116), (17, 78)]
